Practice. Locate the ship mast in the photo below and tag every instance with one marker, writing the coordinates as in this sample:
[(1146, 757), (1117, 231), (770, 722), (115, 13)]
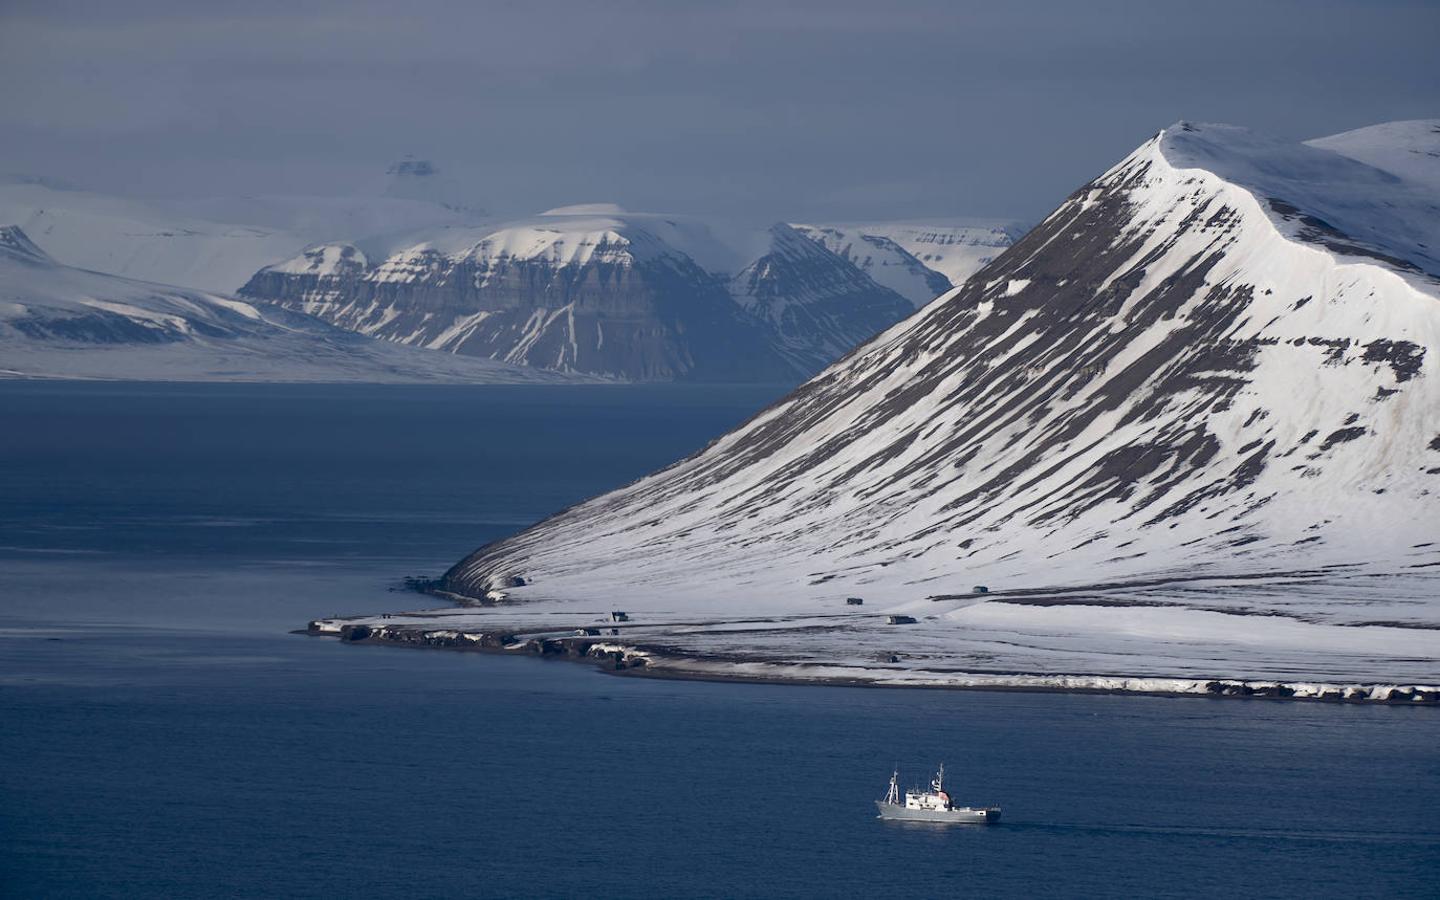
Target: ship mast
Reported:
[(893, 796), (938, 785)]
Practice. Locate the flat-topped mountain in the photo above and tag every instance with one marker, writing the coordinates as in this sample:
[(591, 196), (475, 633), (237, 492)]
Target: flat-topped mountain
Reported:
[(600, 291), (61, 322), (409, 261)]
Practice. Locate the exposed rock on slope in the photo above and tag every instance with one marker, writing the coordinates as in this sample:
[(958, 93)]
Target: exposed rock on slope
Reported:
[(1188, 426), (628, 296), (59, 322), (404, 263), (920, 260), (815, 306), (883, 260)]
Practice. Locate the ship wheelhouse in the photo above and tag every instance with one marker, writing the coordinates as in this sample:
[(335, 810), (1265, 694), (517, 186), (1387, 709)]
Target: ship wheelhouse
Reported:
[(933, 799)]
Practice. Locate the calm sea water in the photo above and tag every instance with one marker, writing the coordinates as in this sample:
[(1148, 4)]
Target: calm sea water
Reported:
[(162, 734)]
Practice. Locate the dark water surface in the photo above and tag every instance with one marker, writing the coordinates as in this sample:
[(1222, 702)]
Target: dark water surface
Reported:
[(161, 734)]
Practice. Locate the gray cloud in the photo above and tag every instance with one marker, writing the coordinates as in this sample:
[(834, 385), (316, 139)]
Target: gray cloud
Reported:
[(801, 110)]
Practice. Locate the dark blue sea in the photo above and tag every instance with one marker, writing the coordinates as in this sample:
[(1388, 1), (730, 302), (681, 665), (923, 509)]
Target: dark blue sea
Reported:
[(163, 734)]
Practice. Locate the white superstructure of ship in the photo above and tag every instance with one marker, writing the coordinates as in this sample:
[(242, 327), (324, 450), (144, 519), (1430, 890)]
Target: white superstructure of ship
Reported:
[(933, 805)]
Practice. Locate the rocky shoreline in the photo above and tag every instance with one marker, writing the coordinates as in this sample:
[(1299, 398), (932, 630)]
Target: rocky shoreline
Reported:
[(617, 657)]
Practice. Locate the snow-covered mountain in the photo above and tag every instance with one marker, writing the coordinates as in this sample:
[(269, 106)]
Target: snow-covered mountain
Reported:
[(919, 260), (670, 323), (136, 240), (1409, 150), (597, 290), (208, 244), (61, 322), (815, 305), (1186, 431)]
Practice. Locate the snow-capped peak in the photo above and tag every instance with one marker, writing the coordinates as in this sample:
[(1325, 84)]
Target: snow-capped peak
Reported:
[(918, 259), (1218, 363), (594, 289), (16, 244), (324, 260), (1316, 194)]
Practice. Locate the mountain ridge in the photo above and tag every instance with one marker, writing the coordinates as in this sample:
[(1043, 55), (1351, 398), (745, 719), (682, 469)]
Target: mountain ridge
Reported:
[(408, 231), (919, 259), (61, 322), (597, 290), (1195, 426)]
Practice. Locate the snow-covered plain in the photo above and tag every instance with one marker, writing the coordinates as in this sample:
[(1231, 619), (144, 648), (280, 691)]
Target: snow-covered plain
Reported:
[(208, 244), (1186, 432), (67, 323)]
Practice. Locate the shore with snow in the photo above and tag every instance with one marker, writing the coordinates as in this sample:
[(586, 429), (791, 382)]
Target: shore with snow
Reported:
[(614, 654)]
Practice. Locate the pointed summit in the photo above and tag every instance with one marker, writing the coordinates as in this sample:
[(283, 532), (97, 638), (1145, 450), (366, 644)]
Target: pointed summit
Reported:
[(16, 244), (1185, 429)]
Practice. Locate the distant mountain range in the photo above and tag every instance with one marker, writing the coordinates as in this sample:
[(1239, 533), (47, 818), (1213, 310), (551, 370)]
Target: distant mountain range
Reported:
[(209, 244), (601, 291), (1186, 429), (61, 322), (918, 260), (590, 289)]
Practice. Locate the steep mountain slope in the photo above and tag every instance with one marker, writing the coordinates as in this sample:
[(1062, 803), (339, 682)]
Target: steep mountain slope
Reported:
[(600, 291), (816, 305), (883, 260), (890, 252), (1188, 429), (60, 322)]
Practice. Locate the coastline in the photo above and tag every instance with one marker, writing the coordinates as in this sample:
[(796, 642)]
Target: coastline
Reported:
[(640, 660)]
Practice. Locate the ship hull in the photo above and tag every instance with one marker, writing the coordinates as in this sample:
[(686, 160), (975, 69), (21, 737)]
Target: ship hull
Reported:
[(988, 815)]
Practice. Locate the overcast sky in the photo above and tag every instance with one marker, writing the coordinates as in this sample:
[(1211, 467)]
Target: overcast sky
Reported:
[(873, 109)]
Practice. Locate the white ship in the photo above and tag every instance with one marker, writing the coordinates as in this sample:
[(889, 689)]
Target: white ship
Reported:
[(933, 805)]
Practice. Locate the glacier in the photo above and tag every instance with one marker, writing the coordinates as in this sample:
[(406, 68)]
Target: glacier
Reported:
[(61, 322), (207, 243)]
